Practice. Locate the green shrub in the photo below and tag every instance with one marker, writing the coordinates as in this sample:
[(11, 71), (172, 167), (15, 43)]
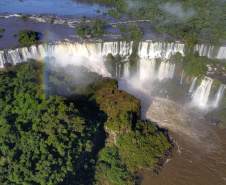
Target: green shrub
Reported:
[(2, 30), (114, 13), (28, 37)]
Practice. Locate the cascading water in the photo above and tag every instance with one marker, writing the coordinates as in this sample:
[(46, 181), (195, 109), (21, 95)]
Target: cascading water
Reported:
[(159, 50), (166, 70), (219, 95), (126, 70), (221, 53), (201, 94), (181, 79), (211, 51), (149, 51), (147, 69), (90, 55), (191, 89)]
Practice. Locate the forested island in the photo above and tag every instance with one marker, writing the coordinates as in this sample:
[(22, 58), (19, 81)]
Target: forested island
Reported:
[(57, 130)]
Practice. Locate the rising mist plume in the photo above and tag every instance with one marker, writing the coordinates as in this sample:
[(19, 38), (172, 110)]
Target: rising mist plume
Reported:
[(178, 11)]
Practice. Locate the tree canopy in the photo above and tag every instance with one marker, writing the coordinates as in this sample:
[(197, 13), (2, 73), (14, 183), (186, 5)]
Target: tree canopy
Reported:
[(53, 128), (193, 19), (28, 37)]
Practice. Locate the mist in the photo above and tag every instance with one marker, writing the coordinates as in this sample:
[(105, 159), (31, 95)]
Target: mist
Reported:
[(178, 11), (134, 5)]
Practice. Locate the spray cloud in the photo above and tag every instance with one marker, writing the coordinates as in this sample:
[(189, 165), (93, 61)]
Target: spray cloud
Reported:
[(178, 11)]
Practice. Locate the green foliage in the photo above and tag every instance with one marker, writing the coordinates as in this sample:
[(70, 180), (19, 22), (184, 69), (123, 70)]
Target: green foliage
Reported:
[(84, 18), (52, 20), (221, 125), (111, 63), (28, 37), (195, 65), (96, 29), (143, 147), (218, 116), (114, 13), (13, 47), (111, 169), (83, 29), (139, 149), (133, 59), (200, 19), (133, 32), (2, 30), (49, 139), (122, 109), (25, 17), (41, 139), (104, 13), (98, 11), (177, 58)]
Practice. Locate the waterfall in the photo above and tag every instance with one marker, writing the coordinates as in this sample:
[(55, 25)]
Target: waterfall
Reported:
[(201, 94), (191, 89), (211, 51), (181, 79), (159, 50), (90, 55), (221, 53), (118, 70), (147, 69), (219, 95), (149, 51), (166, 70), (126, 72)]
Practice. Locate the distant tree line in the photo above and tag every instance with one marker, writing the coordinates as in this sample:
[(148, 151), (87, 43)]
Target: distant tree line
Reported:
[(188, 20)]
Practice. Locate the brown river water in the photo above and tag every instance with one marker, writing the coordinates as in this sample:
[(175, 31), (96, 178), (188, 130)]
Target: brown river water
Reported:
[(198, 156)]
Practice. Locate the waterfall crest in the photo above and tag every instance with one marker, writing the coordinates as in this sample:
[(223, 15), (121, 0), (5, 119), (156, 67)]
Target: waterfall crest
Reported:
[(159, 50), (211, 51), (90, 51), (153, 61), (148, 52)]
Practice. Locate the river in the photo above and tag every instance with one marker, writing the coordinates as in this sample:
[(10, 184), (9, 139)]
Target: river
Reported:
[(199, 146), (199, 155)]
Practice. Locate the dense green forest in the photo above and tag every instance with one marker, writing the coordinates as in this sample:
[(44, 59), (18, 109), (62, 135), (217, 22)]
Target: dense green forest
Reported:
[(27, 37), (189, 20), (71, 126), (96, 28)]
